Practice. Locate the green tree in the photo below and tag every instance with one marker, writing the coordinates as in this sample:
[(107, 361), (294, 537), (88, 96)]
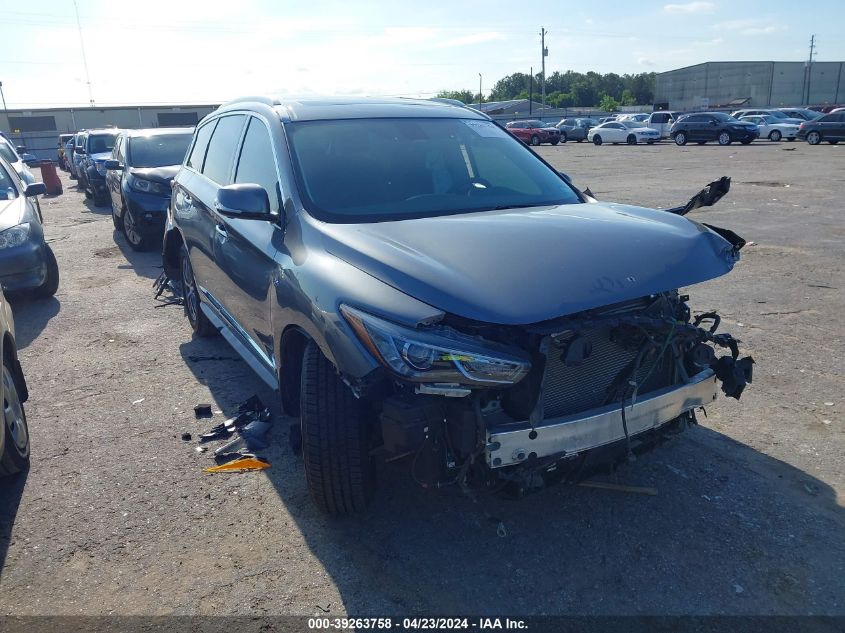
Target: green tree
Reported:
[(510, 86), (464, 96), (627, 98), (608, 104)]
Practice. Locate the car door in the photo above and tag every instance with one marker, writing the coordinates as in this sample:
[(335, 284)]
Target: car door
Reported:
[(613, 133), (114, 177), (836, 127), (245, 249), (209, 166)]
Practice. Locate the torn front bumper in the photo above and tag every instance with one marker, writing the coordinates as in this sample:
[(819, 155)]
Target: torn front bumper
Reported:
[(511, 444)]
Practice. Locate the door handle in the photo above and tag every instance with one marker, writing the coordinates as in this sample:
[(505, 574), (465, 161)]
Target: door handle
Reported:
[(221, 230)]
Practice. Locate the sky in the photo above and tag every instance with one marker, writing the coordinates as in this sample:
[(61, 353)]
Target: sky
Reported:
[(201, 51)]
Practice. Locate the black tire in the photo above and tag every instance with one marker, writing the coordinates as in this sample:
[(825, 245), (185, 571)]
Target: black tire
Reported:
[(134, 237), (701, 142), (196, 318), (775, 135), (680, 138), (71, 175), (724, 138), (631, 140), (814, 137), (833, 142), (535, 140), (51, 283), (597, 140), (88, 194), (650, 142), (555, 141), (580, 140), (335, 438), (14, 442), (563, 137), (747, 141)]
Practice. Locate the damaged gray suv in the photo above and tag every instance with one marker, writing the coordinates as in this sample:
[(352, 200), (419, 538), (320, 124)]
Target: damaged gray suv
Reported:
[(418, 284)]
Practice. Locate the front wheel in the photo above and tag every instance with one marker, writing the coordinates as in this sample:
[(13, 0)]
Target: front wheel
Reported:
[(51, 283), (535, 140), (564, 137), (597, 140), (681, 138), (775, 136), (14, 442), (724, 138), (632, 140), (555, 141), (136, 239), (191, 298), (814, 138), (335, 438)]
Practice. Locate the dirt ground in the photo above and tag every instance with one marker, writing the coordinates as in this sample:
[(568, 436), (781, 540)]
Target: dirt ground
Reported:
[(115, 515)]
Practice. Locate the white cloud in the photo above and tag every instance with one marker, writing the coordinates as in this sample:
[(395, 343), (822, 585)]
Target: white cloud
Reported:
[(645, 61), (751, 26), (690, 7), (474, 38)]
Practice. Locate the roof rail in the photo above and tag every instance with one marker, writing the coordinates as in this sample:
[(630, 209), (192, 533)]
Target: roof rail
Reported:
[(270, 101)]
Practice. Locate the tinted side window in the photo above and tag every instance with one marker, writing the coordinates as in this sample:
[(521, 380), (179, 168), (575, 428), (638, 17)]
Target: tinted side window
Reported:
[(256, 164), (117, 145), (197, 156), (221, 149)]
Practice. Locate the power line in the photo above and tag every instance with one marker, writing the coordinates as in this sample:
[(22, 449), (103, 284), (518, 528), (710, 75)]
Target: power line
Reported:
[(84, 58)]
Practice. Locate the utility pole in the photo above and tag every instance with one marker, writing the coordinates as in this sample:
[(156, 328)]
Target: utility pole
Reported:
[(5, 109), (530, 89), (84, 58), (545, 53), (480, 94), (810, 66)]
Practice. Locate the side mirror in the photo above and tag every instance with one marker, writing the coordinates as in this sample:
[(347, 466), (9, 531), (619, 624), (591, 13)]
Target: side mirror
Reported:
[(565, 176), (29, 159), (113, 164), (35, 189), (247, 201), (20, 149)]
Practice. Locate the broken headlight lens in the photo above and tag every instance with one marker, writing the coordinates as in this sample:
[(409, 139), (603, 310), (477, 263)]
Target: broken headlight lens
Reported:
[(14, 236), (437, 354)]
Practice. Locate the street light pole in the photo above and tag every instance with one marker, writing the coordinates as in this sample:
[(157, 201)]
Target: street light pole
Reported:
[(480, 94), (5, 109), (545, 53)]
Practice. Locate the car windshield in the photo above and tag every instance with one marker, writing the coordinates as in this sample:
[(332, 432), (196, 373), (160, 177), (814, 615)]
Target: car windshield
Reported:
[(158, 150), (99, 143), (7, 185), (371, 170), (8, 152)]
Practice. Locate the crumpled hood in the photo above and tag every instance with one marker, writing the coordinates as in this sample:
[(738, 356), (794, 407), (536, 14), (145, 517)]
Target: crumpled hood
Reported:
[(156, 174), (524, 266), (101, 157), (11, 213)]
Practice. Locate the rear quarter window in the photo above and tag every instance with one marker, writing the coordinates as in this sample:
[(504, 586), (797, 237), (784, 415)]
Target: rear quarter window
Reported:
[(197, 156)]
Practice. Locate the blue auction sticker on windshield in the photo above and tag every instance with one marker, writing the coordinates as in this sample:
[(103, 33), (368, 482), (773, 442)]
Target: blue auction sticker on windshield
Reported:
[(485, 128)]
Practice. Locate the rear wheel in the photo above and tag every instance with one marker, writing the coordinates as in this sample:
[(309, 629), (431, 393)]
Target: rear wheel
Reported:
[(724, 138), (555, 141), (597, 140), (335, 438), (190, 295), (14, 442), (775, 135), (535, 140), (681, 138), (814, 138)]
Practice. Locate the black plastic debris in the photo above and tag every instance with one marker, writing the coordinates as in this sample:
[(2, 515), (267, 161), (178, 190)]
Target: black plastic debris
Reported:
[(734, 374), (186, 437), (202, 411)]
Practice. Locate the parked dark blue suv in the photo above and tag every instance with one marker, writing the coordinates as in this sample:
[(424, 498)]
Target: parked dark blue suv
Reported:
[(138, 177), (419, 284)]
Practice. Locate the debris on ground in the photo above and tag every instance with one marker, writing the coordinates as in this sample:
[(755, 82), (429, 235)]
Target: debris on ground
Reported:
[(139, 401), (241, 464), (606, 485), (202, 411), (186, 437)]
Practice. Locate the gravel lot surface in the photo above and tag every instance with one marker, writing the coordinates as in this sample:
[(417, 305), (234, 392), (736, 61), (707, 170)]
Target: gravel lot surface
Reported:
[(116, 516)]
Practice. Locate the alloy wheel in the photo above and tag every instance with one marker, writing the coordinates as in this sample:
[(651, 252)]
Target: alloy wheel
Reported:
[(13, 414)]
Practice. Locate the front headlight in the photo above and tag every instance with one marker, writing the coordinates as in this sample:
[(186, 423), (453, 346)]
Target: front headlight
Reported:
[(438, 354), (147, 186), (14, 236)]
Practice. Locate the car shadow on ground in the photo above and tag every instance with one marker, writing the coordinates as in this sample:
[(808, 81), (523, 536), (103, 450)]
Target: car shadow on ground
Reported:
[(31, 316), (145, 263), (11, 491), (728, 532)]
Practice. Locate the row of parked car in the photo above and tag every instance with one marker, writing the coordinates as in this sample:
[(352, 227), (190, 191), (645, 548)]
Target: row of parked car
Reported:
[(743, 126)]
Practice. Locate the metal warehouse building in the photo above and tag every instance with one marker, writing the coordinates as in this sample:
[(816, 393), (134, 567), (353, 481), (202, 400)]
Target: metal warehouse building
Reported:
[(714, 84), (39, 129)]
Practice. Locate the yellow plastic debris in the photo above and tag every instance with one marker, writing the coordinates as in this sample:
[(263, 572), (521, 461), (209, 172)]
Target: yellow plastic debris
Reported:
[(242, 464)]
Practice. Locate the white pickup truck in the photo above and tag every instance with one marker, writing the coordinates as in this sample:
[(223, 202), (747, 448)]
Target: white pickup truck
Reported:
[(662, 121)]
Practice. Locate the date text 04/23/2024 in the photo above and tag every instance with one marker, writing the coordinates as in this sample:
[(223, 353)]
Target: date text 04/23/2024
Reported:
[(415, 624)]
